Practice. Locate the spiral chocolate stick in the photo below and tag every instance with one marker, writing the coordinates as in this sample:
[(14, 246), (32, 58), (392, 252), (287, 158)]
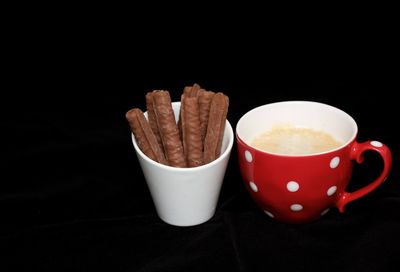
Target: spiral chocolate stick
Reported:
[(151, 116), (205, 98), (191, 91), (144, 136), (191, 137), (169, 132), (215, 127), (188, 91)]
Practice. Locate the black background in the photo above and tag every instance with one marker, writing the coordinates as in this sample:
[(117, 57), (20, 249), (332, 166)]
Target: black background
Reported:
[(72, 194), (73, 197)]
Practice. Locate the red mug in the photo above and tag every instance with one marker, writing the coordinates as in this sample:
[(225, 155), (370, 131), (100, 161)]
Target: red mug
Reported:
[(299, 188)]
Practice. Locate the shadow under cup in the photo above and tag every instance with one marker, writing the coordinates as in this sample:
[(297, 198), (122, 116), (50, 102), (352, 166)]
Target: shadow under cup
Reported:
[(302, 188)]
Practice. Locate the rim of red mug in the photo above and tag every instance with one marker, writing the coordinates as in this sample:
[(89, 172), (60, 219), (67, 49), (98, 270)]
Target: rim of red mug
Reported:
[(346, 143)]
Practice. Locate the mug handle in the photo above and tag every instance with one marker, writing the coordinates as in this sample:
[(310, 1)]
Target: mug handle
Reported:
[(357, 154)]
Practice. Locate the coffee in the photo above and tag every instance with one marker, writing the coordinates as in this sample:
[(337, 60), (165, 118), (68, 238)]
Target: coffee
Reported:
[(295, 141)]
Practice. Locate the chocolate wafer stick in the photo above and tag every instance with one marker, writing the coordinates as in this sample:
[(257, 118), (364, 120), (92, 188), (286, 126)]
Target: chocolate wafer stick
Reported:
[(151, 116), (191, 91), (215, 127), (205, 98), (144, 136), (169, 132), (191, 137), (188, 91)]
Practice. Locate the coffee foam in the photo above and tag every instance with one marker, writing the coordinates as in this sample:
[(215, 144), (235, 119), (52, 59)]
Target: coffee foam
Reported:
[(286, 139)]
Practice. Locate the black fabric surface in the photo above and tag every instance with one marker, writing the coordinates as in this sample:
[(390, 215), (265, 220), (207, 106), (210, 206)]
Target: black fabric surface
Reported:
[(73, 197)]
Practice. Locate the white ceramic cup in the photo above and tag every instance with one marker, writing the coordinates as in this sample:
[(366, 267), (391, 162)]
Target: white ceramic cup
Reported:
[(186, 196)]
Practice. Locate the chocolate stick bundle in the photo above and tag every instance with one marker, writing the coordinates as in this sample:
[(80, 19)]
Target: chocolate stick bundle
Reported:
[(197, 137)]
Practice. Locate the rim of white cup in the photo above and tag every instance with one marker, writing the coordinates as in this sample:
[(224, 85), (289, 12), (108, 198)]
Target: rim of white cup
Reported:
[(348, 116), (197, 168)]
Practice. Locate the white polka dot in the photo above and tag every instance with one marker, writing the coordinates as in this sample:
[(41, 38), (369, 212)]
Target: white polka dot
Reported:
[(248, 156), (334, 162), (253, 186), (325, 212), (331, 190), (385, 179), (292, 186), (376, 143), (296, 207), (269, 214)]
